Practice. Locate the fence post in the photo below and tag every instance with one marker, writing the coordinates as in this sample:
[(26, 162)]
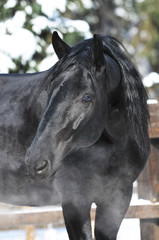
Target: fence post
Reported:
[(30, 232), (148, 182)]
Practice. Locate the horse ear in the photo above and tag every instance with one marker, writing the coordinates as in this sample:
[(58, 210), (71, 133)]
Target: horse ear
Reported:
[(60, 47), (97, 51)]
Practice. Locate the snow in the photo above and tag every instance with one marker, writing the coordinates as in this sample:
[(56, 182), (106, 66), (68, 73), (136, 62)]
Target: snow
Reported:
[(87, 3), (152, 101), (16, 22), (6, 63), (21, 43), (28, 10), (47, 63), (129, 230), (10, 3), (49, 6), (48, 233), (151, 79), (52, 233), (39, 23), (79, 25)]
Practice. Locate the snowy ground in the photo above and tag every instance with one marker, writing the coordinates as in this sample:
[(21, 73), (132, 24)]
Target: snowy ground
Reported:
[(129, 230), (40, 234)]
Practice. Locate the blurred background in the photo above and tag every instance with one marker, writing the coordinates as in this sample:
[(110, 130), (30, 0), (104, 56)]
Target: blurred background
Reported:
[(26, 27)]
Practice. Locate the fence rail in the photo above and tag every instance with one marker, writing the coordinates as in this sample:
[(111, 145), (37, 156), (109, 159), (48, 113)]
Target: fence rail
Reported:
[(40, 217)]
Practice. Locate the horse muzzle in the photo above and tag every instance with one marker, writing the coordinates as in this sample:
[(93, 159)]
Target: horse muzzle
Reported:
[(41, 163), (38, 169)]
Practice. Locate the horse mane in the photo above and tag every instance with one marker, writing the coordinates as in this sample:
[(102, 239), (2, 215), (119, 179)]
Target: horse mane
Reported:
[(133, 96)]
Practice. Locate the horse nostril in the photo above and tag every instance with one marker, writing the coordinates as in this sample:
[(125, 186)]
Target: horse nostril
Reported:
[(41, 167)]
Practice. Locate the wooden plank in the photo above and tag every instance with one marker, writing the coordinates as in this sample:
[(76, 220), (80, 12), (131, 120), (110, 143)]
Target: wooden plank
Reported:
[(30, 232), (41, 218), (148, 182), (36, 218), (154, 120), (143, 211), (149, 229)]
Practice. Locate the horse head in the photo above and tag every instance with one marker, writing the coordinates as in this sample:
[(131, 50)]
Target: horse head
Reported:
[(84, 81)]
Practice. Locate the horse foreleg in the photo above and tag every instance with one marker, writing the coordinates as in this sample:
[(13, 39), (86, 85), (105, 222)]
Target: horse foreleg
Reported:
[(77, 221), (110, 214)]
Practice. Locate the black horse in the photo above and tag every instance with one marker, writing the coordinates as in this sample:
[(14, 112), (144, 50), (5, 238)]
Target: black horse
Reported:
[(80, 130)]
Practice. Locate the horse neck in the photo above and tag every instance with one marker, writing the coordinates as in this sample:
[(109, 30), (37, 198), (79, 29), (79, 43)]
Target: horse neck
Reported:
[(39, 92), (31, 89)]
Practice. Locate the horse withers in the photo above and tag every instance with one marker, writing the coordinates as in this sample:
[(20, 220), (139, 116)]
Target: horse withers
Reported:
[(75, 134)]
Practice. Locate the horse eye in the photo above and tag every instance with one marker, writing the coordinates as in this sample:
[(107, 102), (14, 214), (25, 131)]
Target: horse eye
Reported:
[(86, 99)]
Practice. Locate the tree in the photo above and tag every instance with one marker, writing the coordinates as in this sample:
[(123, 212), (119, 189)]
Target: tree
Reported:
[(77, 20), (147, 38), (99, 14), (37, 26), (28, 10)]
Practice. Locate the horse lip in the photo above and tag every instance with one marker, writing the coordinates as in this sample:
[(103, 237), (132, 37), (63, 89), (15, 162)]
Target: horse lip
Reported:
[(40, 176)]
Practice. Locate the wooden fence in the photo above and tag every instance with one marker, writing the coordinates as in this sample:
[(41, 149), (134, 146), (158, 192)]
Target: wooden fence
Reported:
[(148, 182), (148, 188), (31, 218), (43, 216)]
